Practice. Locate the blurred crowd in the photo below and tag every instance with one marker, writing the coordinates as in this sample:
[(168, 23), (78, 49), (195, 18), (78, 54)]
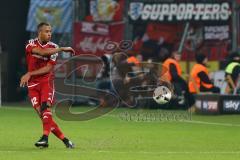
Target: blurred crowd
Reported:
[(128, 74)]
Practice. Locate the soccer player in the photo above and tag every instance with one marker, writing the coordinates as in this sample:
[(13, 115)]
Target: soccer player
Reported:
[(41, 55)]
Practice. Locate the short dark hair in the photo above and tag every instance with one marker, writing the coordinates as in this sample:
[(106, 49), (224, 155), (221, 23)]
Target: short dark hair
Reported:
[(39, 26), (200, 57)]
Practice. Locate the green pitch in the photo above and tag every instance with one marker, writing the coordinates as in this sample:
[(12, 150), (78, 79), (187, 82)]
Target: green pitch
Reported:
[(115, 137)]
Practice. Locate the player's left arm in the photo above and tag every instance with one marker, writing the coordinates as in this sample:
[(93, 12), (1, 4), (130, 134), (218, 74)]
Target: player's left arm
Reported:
[(41, 71)]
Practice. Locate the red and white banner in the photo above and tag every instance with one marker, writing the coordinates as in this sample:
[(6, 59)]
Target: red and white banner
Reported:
[(90, 38)]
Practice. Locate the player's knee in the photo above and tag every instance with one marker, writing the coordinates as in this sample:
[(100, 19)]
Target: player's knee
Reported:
[(49, 104), (44, 106)]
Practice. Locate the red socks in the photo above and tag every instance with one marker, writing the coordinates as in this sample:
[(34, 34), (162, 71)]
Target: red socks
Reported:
[(56, 130), (47, 121), (49, 125)]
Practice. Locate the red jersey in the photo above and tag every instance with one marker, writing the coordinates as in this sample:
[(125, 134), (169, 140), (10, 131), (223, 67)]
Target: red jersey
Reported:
[(35, 61)]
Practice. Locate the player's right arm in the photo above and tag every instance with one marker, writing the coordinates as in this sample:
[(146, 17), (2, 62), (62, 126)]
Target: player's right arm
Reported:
[(41, 71), (51, 51)]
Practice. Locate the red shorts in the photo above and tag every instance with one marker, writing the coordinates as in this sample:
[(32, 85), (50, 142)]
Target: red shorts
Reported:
[(42, 91)]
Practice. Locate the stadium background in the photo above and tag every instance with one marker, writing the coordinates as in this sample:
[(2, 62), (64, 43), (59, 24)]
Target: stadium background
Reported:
[(123, 133), (18, 25)]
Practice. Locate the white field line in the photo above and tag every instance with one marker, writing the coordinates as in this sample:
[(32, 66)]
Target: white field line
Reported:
[(117, 116), (212, 123)]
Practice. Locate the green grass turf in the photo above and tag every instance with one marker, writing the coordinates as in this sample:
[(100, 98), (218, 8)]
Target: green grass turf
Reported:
[(112, 138)]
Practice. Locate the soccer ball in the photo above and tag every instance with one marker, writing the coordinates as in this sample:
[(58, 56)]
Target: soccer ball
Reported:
[(162, 95)]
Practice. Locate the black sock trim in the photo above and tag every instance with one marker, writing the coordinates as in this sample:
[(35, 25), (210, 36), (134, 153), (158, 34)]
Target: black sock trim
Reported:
[(43, 107), (65, 140)]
